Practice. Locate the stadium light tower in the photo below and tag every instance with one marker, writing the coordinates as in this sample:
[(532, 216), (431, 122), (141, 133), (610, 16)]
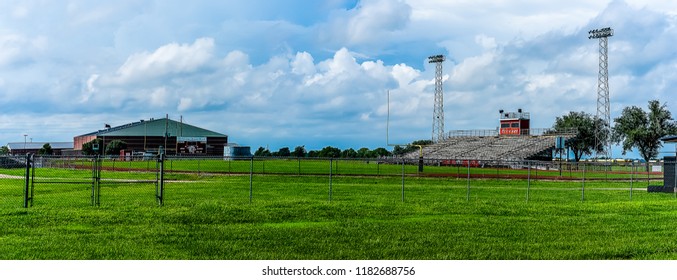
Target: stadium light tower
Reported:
[(603, 104), (438, 107)]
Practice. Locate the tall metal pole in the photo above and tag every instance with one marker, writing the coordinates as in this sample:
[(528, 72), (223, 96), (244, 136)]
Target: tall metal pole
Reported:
[(603, 103), (438, 106), (251, 179)]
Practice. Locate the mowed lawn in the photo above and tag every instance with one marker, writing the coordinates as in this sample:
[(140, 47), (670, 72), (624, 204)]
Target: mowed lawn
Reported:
[(301, 217)]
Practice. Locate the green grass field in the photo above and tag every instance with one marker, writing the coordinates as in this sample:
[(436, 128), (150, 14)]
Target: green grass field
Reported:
[(208, 215)]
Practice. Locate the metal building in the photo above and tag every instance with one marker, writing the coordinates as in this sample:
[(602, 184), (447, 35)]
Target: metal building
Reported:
[(148, 136), (21, 148)]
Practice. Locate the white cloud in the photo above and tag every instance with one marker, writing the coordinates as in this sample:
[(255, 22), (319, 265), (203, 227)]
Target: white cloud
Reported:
[(303, 64), (185, 104), (486, 42), (169, 59), (474, 72), (158, 97), (370, 22), (21, 49)]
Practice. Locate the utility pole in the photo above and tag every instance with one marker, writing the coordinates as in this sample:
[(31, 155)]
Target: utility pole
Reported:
[(603, 104)]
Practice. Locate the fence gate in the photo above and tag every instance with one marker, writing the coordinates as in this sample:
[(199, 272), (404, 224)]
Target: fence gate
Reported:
[(81, 181), (60, 181)]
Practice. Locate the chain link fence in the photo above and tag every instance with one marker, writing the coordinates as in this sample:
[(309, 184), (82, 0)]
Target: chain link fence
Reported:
[(46, 181)]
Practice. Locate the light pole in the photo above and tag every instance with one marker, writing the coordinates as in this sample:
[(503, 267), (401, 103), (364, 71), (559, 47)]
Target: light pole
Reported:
[(603, 103), (25, 135), (438, 106)]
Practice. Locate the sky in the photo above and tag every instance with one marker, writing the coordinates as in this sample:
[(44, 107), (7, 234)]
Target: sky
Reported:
[(317, 73)]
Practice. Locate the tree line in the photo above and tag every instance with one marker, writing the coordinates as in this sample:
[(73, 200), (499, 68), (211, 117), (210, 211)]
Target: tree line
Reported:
[(326, 152), (635, 128), (333, 152)]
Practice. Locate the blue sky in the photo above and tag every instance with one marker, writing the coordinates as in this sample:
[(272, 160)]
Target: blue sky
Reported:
[(316, 73)]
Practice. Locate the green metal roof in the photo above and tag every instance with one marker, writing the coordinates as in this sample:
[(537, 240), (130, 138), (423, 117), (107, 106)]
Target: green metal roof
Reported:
[(156, 127)]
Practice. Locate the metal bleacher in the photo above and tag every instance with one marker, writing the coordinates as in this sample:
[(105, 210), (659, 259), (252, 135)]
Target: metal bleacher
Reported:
[(488, 147)]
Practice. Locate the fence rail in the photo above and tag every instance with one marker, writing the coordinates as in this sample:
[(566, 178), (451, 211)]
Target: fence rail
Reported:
[(42, 181)]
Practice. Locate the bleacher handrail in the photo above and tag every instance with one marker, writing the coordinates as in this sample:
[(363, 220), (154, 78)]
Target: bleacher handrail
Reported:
[(525, 132)]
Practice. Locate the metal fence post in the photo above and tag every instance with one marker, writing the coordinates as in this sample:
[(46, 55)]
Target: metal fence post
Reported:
[(160, 191), (32, 184), (96, 181), (403, 179), (528, 180), (27, 182), (583, 187), (632, 175), (331, 170), (467, 192), (674, 187), (251, 177)]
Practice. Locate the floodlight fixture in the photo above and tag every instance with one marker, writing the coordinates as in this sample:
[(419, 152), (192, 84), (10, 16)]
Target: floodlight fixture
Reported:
[(601, 33), (436, 58)]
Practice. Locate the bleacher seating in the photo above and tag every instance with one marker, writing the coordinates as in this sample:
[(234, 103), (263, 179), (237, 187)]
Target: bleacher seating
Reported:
[(487, 148)]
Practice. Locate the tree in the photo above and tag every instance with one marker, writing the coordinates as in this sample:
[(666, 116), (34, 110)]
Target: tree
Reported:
[(349, 153), (586, 125), (422, 142), (262, 152), (329, 152), (414, 146), (636, 128), (114, 147), (46, 149), (299, 151), (364, 153), (284, 152), (4, 150), (398, 150), (381, 152), (88, 148)]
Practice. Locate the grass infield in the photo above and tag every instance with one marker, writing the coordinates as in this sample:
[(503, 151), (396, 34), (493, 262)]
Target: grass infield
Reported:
[(209, 216)]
